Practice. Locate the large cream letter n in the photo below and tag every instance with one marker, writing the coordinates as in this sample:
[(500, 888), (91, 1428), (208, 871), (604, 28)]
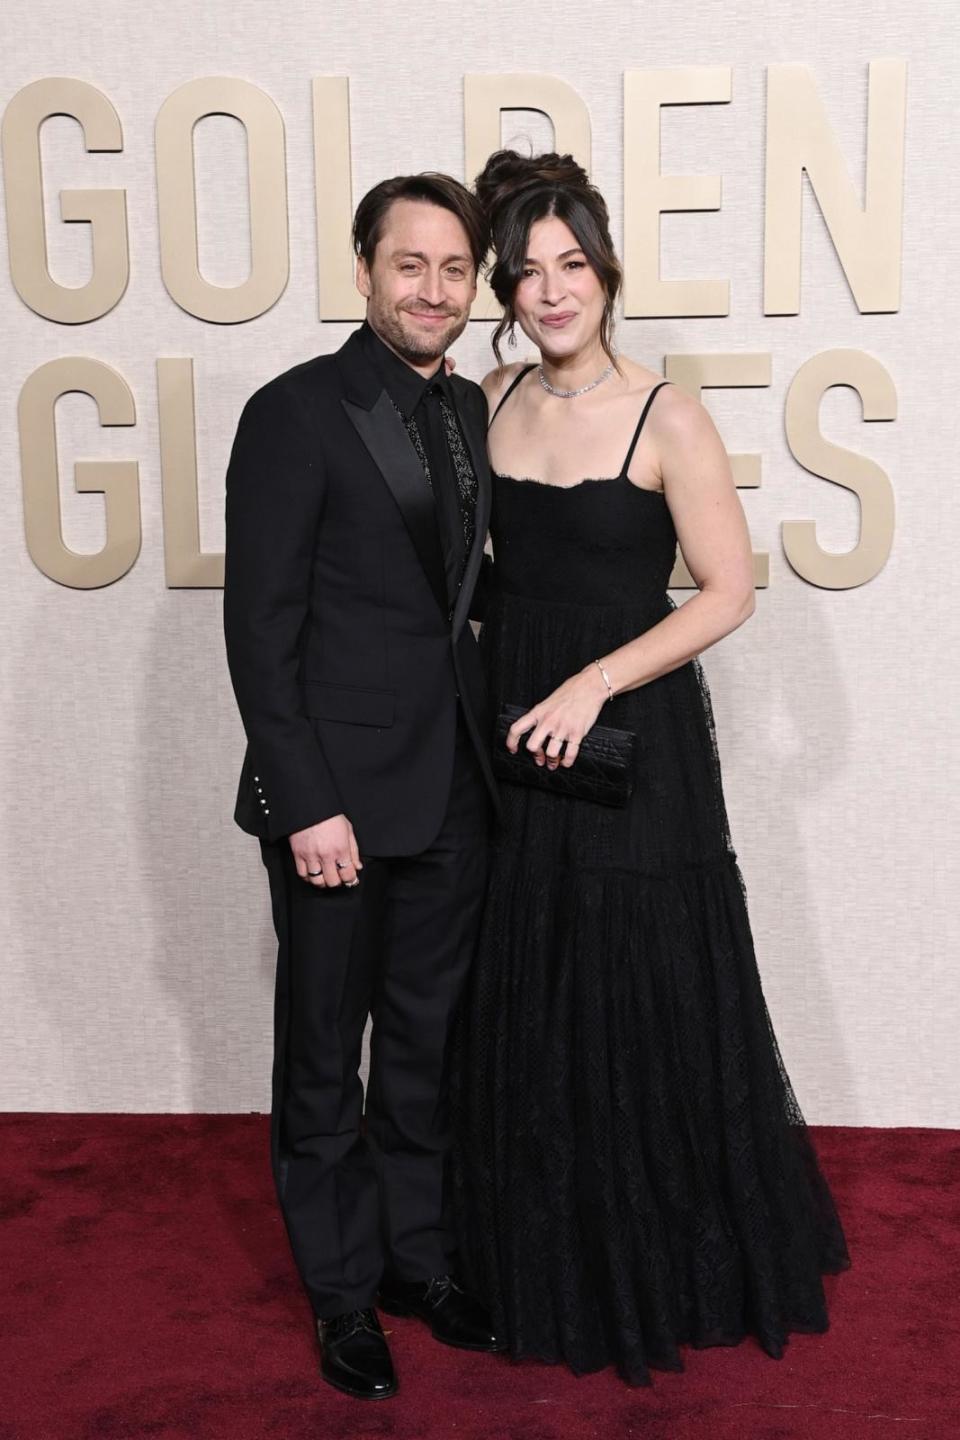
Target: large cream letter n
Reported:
[(867, 237)]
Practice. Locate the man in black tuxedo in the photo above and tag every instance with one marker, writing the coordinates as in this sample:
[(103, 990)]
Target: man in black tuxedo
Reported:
[(358, 496)]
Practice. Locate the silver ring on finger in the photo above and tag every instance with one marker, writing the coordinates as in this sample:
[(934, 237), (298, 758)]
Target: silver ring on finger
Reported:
[(340, 864), (351, 884), (312, 874)]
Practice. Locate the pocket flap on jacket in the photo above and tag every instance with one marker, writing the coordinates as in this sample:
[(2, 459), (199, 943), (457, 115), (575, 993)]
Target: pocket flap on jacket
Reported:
[(349, 704)]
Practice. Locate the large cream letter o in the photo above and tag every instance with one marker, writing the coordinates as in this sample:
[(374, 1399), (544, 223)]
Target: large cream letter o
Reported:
[(177, 200)]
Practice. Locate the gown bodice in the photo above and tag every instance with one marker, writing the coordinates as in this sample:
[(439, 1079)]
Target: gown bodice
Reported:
[(600, 542)]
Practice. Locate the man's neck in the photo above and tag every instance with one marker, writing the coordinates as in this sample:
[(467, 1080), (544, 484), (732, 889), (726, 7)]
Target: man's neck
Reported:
[(426, 369)]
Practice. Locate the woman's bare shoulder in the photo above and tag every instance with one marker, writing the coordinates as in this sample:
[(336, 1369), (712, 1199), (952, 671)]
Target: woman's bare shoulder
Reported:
[(673, 406), (640, 379), (497, 381), (677, 415)]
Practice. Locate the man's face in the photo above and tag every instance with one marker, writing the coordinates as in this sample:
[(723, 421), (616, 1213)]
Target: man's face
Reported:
[(421, 283)]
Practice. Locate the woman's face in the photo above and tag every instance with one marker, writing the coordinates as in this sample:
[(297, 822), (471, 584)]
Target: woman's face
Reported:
[(559, 300)]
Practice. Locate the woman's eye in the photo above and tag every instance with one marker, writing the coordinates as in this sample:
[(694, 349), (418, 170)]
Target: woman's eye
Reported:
[(575, 264), (525, 274)]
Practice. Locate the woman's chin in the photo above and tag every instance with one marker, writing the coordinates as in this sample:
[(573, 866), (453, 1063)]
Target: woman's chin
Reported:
[(559, 346)]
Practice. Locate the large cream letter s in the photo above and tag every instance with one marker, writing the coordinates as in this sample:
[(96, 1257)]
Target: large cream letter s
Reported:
[(863, 476)]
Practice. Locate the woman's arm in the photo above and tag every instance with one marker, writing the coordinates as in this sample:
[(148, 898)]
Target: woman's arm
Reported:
[(494, 386), (699, 489)]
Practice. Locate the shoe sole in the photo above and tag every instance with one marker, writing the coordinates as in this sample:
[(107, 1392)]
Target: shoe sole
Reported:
[(465, 1345), (358, 1394), (404, 1313)]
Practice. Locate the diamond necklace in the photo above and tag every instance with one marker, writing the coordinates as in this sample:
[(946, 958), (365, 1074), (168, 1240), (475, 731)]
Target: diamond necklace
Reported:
[(570, 394)]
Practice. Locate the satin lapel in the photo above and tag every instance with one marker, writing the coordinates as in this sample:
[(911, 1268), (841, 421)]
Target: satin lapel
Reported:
[(381, 430), (476, 439)]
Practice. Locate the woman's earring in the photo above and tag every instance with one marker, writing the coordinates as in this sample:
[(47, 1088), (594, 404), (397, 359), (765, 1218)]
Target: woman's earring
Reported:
[(512, 335)]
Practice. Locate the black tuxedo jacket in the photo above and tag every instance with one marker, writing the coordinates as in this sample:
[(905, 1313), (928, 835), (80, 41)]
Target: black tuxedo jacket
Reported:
[(346, 658)]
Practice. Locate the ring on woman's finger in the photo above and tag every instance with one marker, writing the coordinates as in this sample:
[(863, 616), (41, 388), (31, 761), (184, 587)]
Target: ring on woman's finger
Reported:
[(340, 864), (350, 884), (314, 873)]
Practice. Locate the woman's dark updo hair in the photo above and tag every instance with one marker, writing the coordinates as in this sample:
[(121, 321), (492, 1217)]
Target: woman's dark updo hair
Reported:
[(516, 191)]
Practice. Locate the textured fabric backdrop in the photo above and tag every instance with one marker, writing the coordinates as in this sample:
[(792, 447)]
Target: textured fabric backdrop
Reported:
[(136, 943)]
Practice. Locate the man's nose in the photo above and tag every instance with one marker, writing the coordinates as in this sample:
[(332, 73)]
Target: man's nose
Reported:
[(431, 288)]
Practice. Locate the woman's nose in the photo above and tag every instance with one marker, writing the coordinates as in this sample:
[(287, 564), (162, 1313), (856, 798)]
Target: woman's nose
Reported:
[(553, 289)]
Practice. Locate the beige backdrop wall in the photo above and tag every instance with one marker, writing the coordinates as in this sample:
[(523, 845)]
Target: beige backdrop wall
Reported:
[(136, 942)]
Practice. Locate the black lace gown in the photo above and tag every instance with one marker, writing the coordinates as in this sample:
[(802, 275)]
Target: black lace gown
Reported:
[(630, 1169)]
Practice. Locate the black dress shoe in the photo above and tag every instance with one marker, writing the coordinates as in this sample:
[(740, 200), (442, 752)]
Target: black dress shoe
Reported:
[(455, 1317), (355, 1356)]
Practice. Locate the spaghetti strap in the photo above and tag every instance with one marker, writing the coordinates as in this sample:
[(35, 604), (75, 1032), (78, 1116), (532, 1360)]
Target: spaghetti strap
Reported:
[(509, 391), (636, 433)]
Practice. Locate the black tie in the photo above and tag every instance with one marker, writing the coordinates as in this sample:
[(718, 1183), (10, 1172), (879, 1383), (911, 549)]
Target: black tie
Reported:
[(466, 480), (446, 464)]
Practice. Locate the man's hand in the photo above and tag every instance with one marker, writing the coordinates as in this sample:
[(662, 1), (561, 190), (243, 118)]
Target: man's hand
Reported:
[(326, 855)]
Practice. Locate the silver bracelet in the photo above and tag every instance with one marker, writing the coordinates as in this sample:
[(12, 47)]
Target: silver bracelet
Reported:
[(606, 678)]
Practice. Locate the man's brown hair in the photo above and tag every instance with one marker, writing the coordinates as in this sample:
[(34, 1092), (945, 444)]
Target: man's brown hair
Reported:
[(432, 188)]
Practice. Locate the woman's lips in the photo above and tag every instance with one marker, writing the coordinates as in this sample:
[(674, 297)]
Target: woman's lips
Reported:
[(557, 321)]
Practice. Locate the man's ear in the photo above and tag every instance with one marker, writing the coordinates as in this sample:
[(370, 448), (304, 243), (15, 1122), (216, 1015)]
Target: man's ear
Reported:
[(362, 278)]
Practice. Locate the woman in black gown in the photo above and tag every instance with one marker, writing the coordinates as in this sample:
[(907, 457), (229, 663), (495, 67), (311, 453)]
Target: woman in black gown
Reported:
[(631, 1170)]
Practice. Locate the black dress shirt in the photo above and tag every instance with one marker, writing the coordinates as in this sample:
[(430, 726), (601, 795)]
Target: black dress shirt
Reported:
[(418, 399)]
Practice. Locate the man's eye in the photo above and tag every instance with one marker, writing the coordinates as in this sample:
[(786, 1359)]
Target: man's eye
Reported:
[(455, 272)]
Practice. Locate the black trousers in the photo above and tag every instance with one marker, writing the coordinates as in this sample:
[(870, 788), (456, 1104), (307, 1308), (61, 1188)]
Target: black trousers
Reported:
[(363, 1191)]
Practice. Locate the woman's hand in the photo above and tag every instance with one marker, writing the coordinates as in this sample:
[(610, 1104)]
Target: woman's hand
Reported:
[(561, 720)]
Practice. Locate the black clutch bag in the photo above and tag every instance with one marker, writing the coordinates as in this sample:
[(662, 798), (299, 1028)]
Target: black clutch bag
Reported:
[(603, 771)]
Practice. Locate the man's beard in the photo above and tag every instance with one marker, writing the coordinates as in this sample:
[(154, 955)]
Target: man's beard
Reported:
[(415, 349)]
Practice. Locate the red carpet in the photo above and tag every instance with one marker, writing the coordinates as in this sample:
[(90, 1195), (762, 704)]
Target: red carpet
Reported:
[(146, 1290)]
